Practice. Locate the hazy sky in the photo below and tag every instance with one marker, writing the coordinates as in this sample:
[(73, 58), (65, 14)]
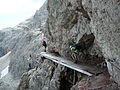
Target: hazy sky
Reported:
[(12, 12)]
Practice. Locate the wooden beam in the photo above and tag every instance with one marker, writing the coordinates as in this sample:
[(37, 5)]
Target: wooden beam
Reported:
[(67, 63)]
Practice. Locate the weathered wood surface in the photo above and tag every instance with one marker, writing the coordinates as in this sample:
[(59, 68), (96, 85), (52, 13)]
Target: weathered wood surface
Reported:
[(85, 69)]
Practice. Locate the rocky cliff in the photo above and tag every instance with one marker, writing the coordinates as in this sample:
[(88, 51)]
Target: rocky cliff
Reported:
[(68, 21), (22, 40)]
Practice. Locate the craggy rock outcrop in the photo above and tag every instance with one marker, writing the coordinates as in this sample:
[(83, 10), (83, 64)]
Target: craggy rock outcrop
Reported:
[(66, 25), (68, 21), (106, 27), (46, 77), (4, 86), (100, 82), (2, 51)]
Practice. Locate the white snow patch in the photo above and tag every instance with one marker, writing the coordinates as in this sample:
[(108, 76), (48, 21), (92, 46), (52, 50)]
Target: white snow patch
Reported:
[(4, 72), (4, 64), (5, 56), (42, 24)]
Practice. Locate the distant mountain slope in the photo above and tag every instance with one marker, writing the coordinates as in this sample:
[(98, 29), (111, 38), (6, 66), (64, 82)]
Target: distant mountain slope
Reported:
[(9, 37), (23, 40)]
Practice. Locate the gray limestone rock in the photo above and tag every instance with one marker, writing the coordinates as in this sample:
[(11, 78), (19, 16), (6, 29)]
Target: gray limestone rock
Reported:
[(4, 86), (106, 27), (66, 22)]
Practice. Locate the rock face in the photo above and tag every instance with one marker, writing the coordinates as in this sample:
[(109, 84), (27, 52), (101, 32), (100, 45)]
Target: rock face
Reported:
[(67, 22), (4, 86), (106, 21), (2, 51)]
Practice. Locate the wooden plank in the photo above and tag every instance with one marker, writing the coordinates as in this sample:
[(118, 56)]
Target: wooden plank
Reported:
[(67, 63)]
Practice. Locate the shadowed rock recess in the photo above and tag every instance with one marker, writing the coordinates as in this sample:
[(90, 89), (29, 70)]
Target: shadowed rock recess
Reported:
[(65, 23)]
